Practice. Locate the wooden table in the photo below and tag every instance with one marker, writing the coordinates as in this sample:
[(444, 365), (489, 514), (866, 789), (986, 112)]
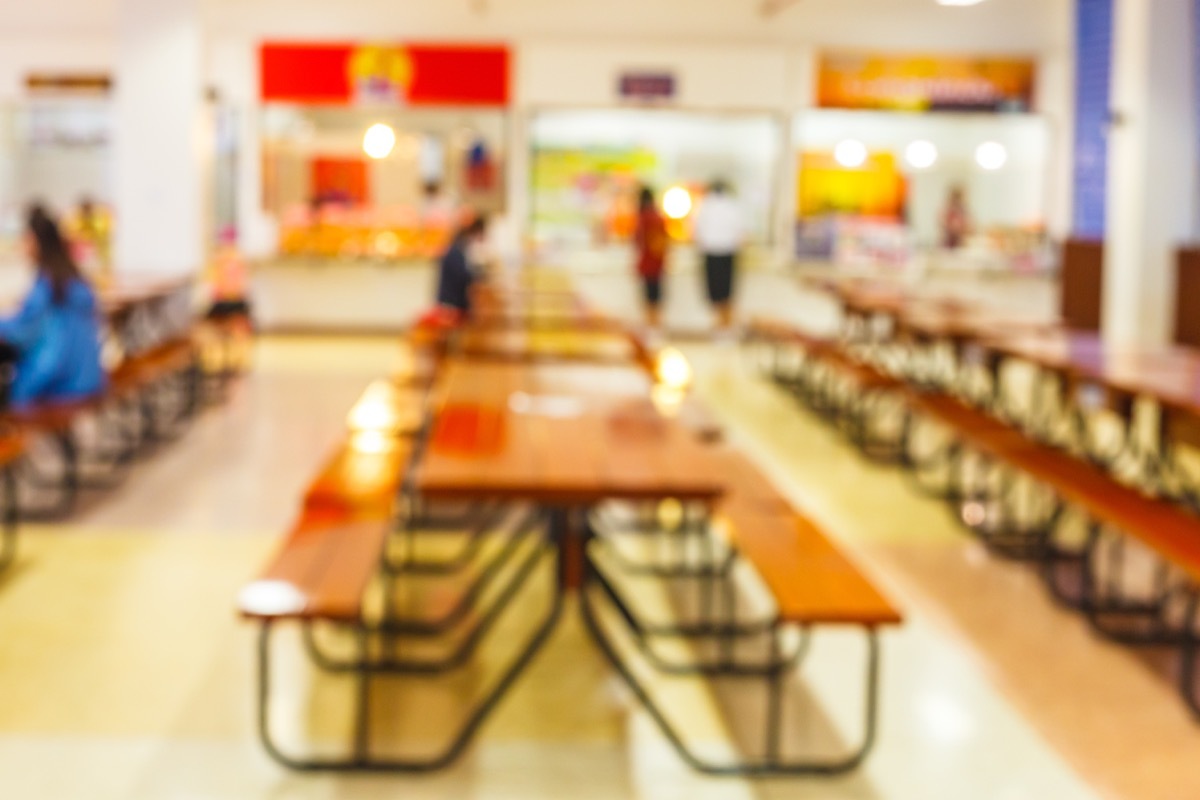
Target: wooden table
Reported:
[(120, 295), (566, 344), (561, 436), (144, 312), (1169, 374)]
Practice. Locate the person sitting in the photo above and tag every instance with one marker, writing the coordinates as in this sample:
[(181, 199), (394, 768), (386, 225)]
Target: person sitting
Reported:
[(55, 335), (456, 275)]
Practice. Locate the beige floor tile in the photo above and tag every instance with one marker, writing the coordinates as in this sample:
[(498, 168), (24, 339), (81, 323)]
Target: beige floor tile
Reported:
[(124, 672)]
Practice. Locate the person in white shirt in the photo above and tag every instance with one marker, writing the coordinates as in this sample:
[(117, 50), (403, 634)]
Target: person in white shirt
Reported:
[(718, 233)]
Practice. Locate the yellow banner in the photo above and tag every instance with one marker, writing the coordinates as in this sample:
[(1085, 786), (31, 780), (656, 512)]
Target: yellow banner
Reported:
[(924, 83)]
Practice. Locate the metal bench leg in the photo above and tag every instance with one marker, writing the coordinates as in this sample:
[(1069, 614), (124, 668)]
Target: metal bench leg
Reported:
[(8, 531), (1114, 614), (480, 524), (1188, 677), (1054, 557), (71, 483), (723, 632), (360, 758), (469, 645), (773, 764)]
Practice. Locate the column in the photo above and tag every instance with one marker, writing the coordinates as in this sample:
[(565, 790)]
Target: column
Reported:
[(160, 144), (1152, 175)]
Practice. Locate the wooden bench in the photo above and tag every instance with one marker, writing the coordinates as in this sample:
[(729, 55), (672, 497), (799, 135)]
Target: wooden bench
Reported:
[(321, 573), (327, 563), (130, 386), (361, 479), (812, 584), (1162, 526), (834, 382), (811, 580)]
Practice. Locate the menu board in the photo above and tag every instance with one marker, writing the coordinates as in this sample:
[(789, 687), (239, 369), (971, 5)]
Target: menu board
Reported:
[(1093, 81)]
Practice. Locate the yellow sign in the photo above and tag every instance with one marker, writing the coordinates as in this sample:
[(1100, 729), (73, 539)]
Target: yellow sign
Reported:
[(877, 189), (380, 73), (925, 83)]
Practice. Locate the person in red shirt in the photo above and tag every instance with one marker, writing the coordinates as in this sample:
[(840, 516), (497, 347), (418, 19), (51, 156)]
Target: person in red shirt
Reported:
[(650, 240)]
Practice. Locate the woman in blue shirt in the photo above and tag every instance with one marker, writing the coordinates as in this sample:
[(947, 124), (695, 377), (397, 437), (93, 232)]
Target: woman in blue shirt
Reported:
[(56, 332)]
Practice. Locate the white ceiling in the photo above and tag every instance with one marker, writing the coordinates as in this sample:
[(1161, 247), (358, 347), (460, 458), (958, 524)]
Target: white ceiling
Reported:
[(1030, 25)]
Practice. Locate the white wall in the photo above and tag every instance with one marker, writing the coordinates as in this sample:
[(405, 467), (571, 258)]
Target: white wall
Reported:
[(21, 55), (708, 76), (725, 53), (162, 140)]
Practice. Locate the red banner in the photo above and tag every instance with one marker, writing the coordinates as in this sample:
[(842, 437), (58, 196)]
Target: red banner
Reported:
[(417, 74)]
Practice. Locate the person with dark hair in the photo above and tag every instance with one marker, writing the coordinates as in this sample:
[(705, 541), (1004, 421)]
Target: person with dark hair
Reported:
[(650, 240), (956, 219), (718, 231), (455, 273), (56, 332)]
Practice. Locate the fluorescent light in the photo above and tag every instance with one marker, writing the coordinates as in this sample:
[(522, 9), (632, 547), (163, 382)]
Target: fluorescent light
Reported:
[(379, 140), (921, 154), (991, 156), (677, 203), (959, 2), (850, 153)]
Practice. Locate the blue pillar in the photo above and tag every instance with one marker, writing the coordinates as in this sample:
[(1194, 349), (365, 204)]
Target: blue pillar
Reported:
[(1093, 83)]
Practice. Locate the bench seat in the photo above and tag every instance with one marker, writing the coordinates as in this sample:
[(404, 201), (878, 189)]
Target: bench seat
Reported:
[(777, 331), (812, 581), (1162, 525), (355, 481), (320, 572)]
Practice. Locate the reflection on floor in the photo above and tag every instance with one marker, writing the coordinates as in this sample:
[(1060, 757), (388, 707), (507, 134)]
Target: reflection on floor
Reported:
[(125, 674)]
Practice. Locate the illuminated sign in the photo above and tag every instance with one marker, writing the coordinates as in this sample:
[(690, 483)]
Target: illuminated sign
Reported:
[(924, 83)]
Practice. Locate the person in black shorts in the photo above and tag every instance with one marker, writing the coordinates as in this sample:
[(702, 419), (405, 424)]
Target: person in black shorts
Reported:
[(718, 232)]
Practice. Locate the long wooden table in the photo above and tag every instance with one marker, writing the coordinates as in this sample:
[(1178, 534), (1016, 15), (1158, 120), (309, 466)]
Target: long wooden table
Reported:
[(519, 344), (566, 435)]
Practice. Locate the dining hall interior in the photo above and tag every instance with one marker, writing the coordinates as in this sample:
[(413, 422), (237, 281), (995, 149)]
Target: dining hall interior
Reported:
[(514, 399)]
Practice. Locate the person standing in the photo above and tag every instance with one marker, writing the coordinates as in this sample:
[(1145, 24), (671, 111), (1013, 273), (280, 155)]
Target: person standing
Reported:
[(650, 241), (956, 220), (718, 232)]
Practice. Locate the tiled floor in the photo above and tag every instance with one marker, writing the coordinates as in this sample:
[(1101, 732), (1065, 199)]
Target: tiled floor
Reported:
[(124, 672)]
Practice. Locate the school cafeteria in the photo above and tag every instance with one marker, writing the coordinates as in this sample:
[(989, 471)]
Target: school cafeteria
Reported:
[(600, 399)]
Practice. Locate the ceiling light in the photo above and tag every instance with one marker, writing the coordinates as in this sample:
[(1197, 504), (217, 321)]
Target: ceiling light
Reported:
[(991, 155), (921, 154), (379, 140), (850, 153), (677, 203)]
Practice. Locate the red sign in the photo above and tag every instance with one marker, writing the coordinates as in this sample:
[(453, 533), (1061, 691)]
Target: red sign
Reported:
[(419, 75)]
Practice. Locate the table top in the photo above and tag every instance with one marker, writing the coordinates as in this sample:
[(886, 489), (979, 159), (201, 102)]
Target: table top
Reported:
[(121, 294), (507, 301), (962, 322), (519, 344), (1169, 374), (568, 434)]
